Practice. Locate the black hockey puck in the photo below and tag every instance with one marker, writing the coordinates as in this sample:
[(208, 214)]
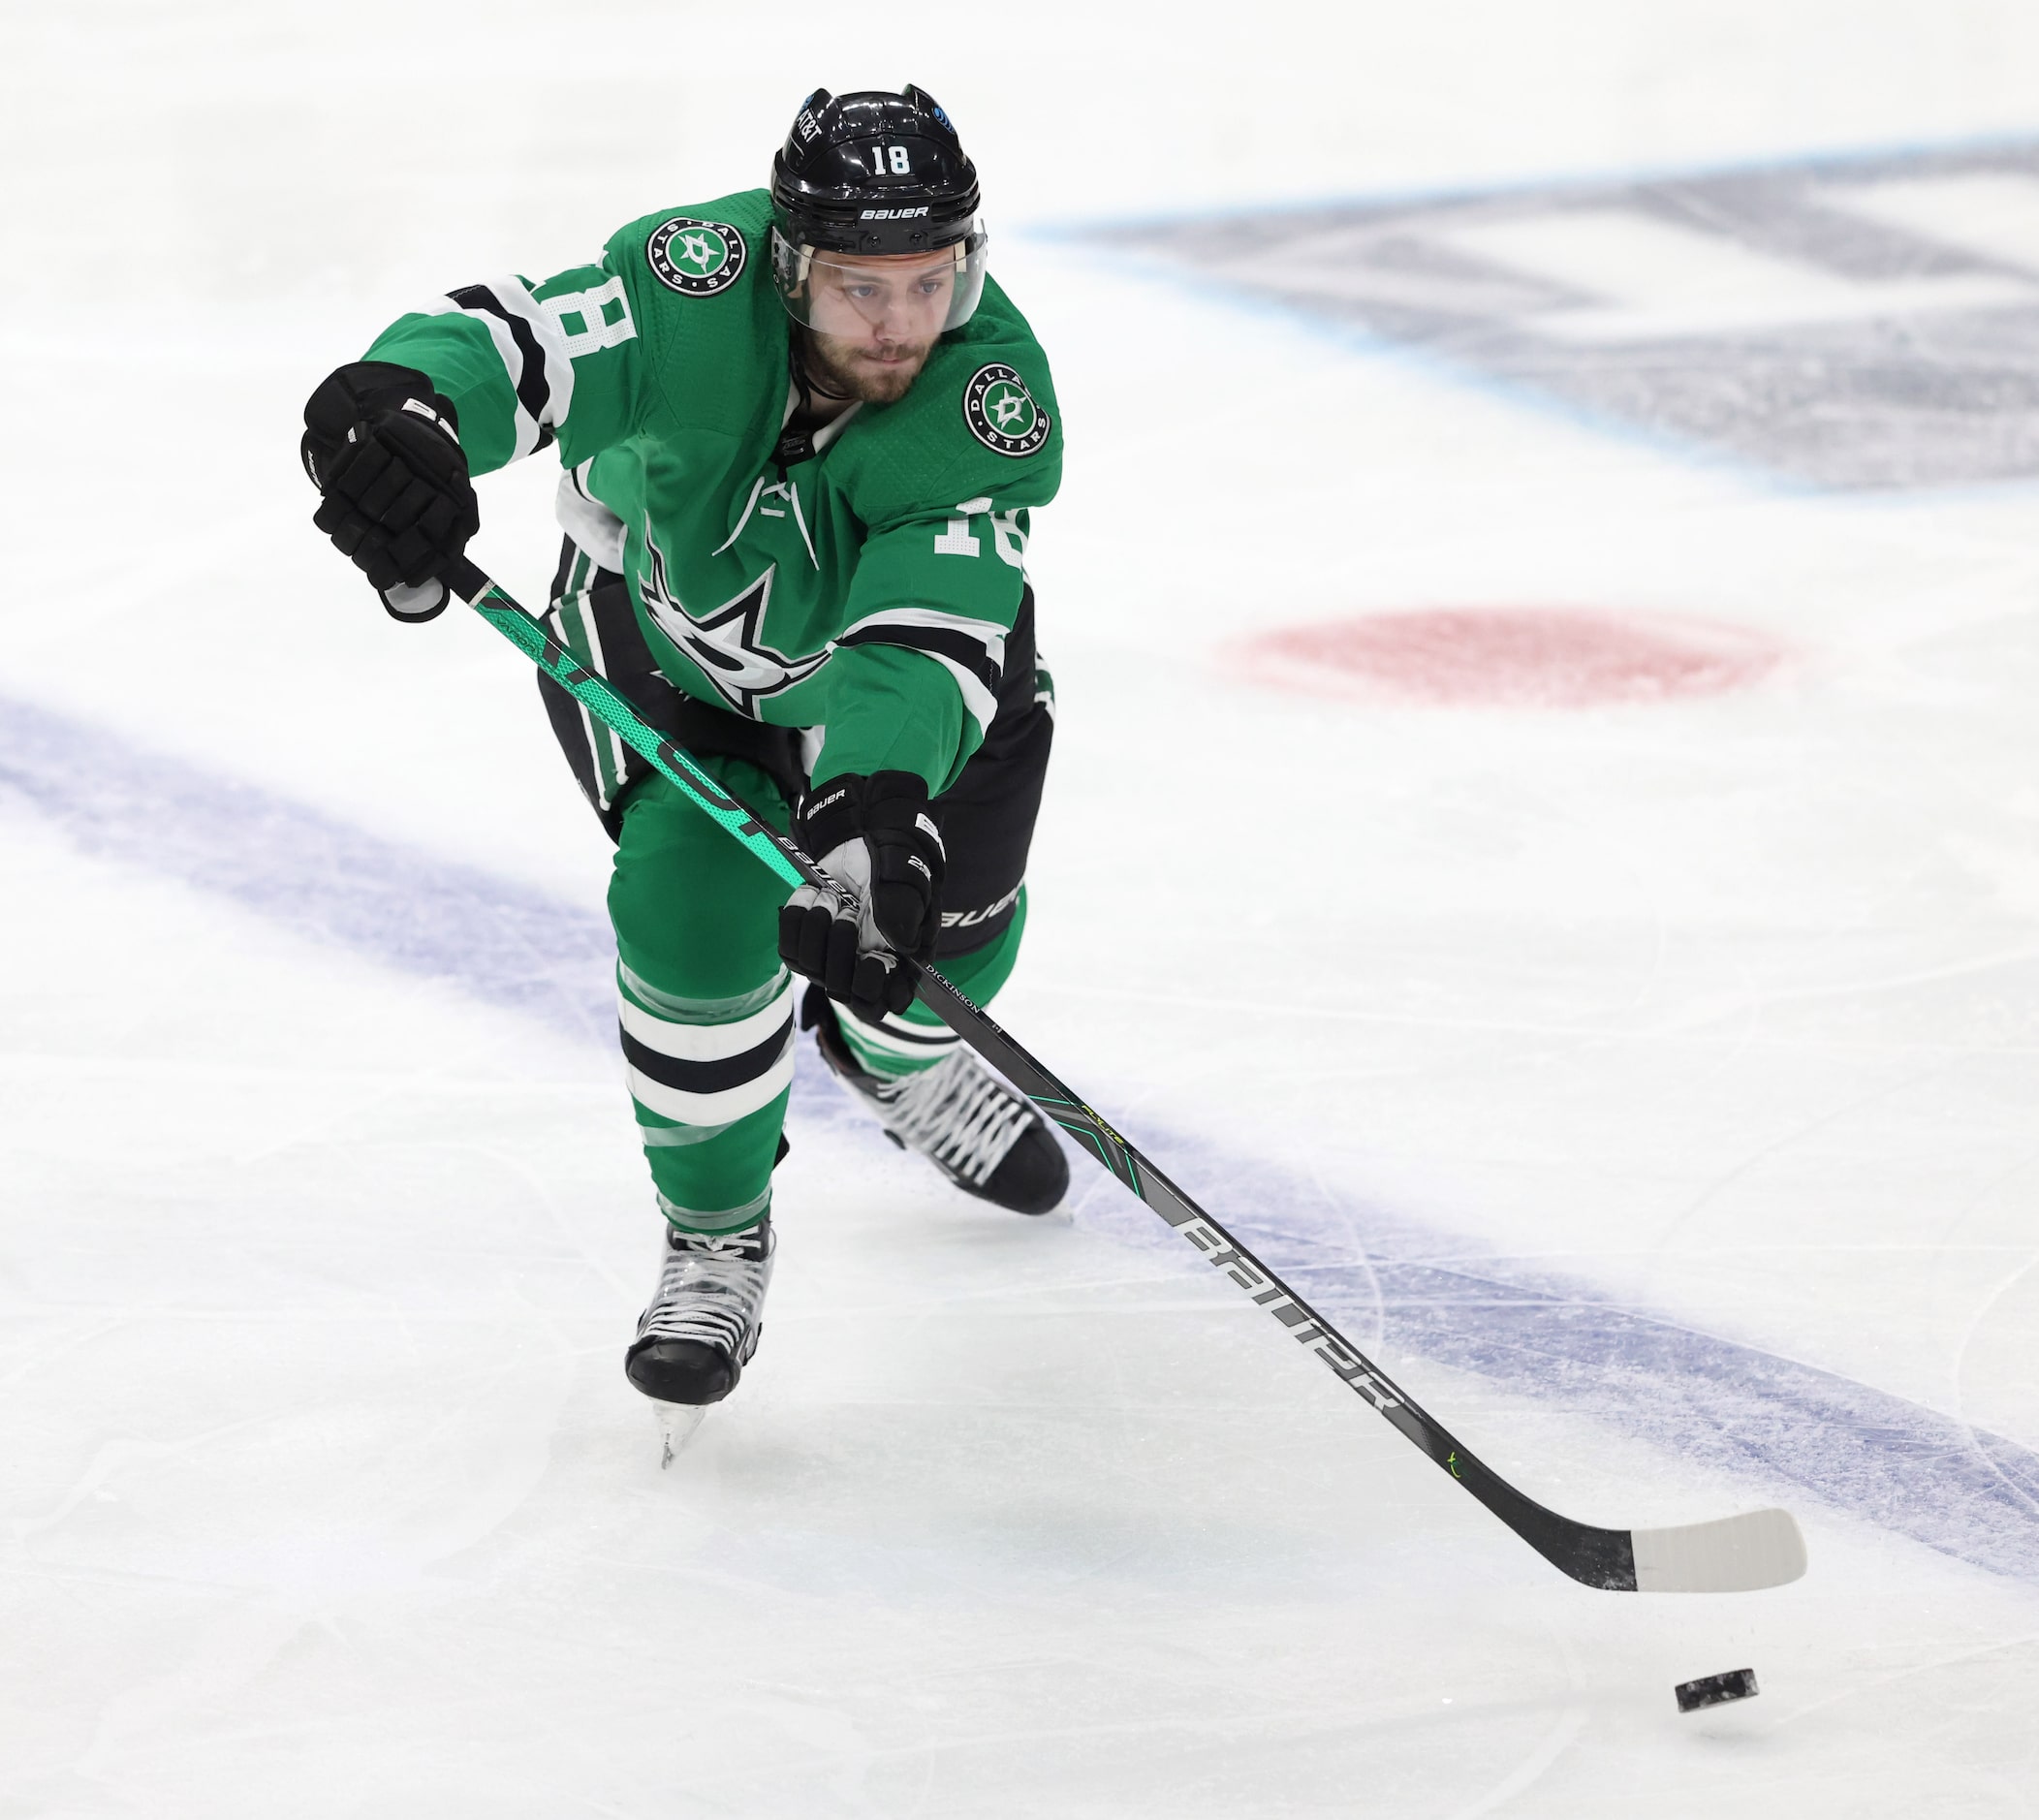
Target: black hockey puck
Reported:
[(1712, 1691)]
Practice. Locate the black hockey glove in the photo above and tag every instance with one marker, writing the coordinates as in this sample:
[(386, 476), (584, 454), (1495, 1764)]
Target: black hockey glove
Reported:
[(865, 943), (385, 449)]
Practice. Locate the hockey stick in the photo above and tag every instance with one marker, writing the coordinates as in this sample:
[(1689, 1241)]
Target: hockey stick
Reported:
[(1733, 1554)]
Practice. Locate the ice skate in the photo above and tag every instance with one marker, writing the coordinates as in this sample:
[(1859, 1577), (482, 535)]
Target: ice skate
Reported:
[(985, 1138), (702, 1328)]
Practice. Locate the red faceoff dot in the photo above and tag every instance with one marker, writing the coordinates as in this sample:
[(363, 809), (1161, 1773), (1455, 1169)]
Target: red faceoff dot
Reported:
[(1512, 657)]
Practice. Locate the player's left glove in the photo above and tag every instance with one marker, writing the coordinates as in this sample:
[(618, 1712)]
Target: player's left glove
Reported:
[(865, 943)]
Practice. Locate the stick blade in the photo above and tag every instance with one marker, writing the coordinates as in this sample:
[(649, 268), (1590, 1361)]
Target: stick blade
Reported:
[(1746, 1554)]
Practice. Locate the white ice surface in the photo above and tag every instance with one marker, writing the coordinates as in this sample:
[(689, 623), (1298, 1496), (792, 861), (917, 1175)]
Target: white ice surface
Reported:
[(322, 1489)]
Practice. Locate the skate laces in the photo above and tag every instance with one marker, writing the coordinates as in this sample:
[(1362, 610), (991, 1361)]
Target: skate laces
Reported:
[(711, 1287), (957, 1112)]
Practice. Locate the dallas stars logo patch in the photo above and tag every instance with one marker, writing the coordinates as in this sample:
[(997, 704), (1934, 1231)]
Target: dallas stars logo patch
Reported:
[(1001, 412), (695, 258), (728, 647)]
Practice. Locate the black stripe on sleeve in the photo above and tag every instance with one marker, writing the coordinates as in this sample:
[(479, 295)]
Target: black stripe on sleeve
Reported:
[(534, 392), (952, 643), (707, 1076)]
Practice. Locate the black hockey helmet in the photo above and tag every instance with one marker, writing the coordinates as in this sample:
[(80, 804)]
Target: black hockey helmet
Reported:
[(876, 174)]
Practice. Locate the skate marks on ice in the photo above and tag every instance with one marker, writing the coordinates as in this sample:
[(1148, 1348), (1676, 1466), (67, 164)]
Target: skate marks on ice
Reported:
[(1961, 1490), (1848, 323)]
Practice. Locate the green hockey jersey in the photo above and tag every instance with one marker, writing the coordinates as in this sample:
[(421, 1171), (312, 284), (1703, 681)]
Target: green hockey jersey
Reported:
[(865, 588)]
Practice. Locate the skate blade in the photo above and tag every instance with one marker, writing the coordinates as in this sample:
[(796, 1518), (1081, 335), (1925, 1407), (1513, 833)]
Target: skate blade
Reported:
[(676, 1423)]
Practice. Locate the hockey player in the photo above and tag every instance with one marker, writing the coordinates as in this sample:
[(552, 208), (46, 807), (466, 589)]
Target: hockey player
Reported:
[(802, 431)]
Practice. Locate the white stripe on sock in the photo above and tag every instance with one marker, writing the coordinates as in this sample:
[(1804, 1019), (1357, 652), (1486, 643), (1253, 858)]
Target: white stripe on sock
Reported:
[(706, 1042)]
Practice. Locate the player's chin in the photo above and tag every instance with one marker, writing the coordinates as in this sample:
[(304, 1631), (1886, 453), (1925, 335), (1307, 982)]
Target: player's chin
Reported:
[(886, 382)]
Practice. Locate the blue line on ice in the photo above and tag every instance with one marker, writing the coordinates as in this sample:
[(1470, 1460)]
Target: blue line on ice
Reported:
[(499, 941), (1966, 1492)]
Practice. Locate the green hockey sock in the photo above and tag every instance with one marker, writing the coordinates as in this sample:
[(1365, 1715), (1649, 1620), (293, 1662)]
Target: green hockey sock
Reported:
[(705, 1004)]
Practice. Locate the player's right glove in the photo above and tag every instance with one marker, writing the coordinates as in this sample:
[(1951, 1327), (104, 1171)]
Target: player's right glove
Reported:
[(865, 943), (385, 449)]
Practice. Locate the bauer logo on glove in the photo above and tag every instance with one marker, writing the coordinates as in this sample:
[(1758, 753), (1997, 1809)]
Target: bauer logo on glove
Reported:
[(866, 941)]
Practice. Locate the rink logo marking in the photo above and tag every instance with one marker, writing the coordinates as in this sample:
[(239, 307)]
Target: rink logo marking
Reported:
[(1536, 657), (1963, 1490), (1852, 324)]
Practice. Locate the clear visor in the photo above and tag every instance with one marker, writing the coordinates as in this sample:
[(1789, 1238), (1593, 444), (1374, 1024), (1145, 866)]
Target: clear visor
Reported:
[(870, 297)]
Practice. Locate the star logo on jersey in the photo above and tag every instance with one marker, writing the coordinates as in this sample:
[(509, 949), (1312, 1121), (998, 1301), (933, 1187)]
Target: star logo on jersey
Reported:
[(1001, 412), (695, 258), (727, 647)]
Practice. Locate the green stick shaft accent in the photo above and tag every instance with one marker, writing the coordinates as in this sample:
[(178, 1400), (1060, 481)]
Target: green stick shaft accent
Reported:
[(616, 714)]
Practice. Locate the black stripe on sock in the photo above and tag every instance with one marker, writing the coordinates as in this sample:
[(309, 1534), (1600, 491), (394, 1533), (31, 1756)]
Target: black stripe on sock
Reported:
[(707, 1076), (935, 1039), (533, 390)]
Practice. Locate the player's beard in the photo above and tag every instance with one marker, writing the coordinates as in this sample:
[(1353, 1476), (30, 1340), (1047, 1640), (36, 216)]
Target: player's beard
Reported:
[(842, 367)]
